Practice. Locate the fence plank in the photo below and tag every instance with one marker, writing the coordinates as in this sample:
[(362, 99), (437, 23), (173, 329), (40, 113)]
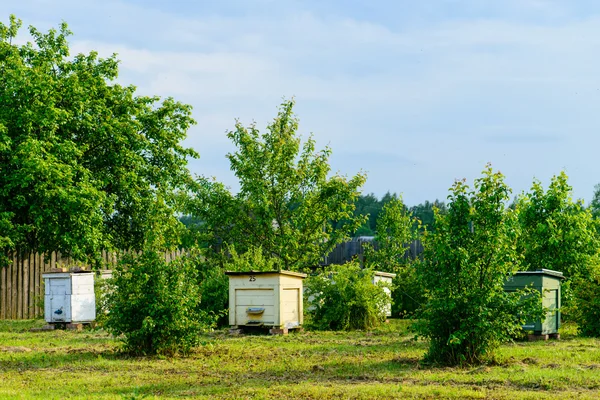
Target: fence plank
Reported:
[(24, 286), (7, 295), (13, 288), (38, 277), (3, 292), (20, 285), (31, 287)]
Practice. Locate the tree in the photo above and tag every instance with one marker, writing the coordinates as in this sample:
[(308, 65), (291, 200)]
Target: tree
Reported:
[(287, 204), (424, 214), (85, 164), (557, 232), (467, 313), (393, 234), (561, 234), (595, 203), (367, 205)]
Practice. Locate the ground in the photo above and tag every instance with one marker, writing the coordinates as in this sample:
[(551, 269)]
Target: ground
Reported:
[(328, 365)]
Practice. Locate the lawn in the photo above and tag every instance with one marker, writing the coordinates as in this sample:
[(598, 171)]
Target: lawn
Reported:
[(328, 365)]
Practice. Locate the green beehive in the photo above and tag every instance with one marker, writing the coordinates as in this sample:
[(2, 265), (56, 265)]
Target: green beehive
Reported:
[(548, 283)]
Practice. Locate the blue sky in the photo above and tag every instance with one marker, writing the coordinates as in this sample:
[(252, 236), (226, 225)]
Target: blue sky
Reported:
[(416, 94)]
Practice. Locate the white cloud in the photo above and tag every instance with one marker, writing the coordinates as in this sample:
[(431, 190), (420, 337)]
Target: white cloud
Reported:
[(447, 94)]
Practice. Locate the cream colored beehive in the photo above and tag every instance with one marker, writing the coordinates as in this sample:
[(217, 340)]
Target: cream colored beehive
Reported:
[(268, 299), (387, 278)]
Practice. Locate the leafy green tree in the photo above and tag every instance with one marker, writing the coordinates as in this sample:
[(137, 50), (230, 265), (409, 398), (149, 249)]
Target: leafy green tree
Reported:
[(467, 313), (367, 205), (561, 234), (394, 233), (85, 163), (287, 204), (557, 232), (370, 206), (424, 214), (595, 203)]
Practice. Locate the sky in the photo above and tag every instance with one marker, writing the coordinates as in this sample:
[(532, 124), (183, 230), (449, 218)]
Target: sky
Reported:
[(416, 94)]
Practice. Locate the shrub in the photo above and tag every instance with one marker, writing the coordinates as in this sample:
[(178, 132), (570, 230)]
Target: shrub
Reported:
[(407, 293), (343, 297), (213, 287), (586, 311), (467, 313), (155, 306)]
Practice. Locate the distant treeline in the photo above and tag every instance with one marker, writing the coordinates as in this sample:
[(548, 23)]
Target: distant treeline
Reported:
[(370, 205)]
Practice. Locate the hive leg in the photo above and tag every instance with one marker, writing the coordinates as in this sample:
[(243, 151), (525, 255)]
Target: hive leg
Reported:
[(235, 330), (534, 337), (278, 331)]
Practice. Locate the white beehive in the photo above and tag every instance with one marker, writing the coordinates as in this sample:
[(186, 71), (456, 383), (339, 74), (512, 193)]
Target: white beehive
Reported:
[(387, 278), (269, 299), (69, 297)]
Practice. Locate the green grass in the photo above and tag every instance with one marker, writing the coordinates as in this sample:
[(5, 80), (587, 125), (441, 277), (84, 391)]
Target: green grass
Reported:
[(314, 365)]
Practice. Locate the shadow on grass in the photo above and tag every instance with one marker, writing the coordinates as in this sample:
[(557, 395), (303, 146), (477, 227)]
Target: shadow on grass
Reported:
[(399, 371), (20, 325), (65, 359)]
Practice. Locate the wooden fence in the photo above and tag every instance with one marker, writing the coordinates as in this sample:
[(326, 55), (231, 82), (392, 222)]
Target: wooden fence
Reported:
[(353, 249), (22, 286)]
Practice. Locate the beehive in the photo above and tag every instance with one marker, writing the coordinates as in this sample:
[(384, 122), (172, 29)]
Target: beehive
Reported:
[(547, 282), (387, 278), (268, 299), (69, 297)]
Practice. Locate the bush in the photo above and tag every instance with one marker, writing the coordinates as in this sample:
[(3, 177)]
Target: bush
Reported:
[(467, 313), (586, 311), (344, 297), (213, 287), (155, 306), (407, 293)]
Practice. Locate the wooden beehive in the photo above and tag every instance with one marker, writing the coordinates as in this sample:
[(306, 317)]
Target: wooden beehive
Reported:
[(548, 283), (268, 299), (69, 297)]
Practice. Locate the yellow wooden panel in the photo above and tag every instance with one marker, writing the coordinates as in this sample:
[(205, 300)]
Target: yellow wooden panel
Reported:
[(290, 299), (254, 297), (242, 317)]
